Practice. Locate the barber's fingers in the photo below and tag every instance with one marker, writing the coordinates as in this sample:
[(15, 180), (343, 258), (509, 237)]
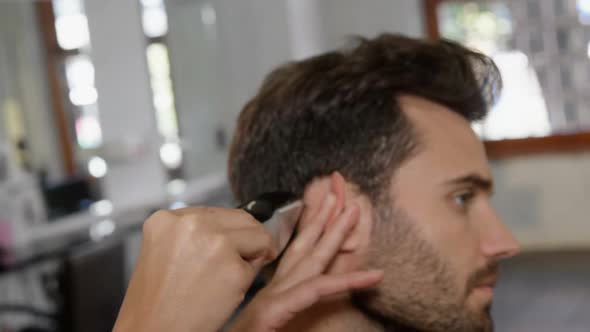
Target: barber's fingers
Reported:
[(287, 304), (316, 262), (224, 217), (307, 239), (334, 237)]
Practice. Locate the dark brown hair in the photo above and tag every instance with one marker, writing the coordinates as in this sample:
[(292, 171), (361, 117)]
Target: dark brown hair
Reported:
[(338, 112)]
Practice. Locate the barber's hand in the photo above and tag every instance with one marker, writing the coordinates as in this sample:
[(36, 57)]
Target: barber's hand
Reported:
[(194, 269), (300, 280)]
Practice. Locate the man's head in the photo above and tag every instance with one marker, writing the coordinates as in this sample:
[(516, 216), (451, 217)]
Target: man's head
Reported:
[(392, 115), (437, 235)]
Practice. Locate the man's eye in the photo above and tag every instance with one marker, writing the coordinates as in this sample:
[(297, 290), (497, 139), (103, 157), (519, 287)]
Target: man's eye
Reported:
[(463, 199)]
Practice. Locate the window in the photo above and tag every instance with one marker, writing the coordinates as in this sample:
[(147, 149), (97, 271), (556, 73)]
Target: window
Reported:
[(76, 68), (72, 76), (73, 38), (155, 27), (154, 18), (71, 25), (542, 49)]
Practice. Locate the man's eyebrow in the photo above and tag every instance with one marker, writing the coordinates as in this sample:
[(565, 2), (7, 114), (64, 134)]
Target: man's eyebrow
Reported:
[(476, 180)]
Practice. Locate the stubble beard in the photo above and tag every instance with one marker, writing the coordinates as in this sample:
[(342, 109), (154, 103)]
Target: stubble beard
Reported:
[(418, 293)]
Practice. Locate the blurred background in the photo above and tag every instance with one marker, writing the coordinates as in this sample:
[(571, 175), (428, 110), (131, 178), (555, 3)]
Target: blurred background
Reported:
[(111, 109)]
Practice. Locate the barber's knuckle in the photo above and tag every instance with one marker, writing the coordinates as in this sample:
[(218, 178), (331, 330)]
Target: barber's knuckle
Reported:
[(211, 211), (217, 242), (202, 210), (161, 215), (156, 219), (192, 223), (148, 226)]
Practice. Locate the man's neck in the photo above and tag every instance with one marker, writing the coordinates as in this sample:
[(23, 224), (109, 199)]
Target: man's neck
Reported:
[(335, 316)]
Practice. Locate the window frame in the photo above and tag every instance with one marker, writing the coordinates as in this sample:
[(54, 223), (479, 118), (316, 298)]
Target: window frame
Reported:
[(509, 148), (54, 55)]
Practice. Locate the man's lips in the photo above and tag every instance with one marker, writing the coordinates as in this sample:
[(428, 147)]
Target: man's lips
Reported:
[(486, 286), (488, 282), (484, 280)]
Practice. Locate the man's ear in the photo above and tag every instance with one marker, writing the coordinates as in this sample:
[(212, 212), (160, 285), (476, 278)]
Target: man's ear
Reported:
[(336, 185), (354, 247), (319, 188)]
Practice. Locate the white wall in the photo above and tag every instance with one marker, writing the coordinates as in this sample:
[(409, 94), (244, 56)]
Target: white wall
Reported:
[(217, 68), (545, 199), (342, 19), (131, 141)]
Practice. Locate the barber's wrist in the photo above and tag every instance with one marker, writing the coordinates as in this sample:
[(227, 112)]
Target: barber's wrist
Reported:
[(130, 321)]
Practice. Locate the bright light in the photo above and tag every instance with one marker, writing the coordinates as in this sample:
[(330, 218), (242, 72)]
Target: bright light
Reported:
[(171, 155), (522, 91), (178, 205), (72, 31), (97, 167), (584, 6), (152, 3), (102, 229), (102, 208), (588, 52), (478, 128), (584, 11), (158, 61), (208, 15), (155, 22), (79, 71), (176, 187), (82, 96), (163, 100), (88, 132)]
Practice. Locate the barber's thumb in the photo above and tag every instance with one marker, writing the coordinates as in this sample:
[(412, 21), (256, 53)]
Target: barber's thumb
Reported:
[(253, 244)]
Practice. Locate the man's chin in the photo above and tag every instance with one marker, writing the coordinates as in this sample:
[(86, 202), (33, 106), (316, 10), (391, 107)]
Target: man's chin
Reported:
[(475, 316), (487, 322), (480, 300), (482, 318)]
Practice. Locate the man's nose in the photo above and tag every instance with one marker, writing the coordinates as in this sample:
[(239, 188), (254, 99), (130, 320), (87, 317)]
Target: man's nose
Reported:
[(496, 240)]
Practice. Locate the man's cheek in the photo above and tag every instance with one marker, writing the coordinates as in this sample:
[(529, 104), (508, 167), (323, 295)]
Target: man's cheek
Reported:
[(449, 231), (454, 244)]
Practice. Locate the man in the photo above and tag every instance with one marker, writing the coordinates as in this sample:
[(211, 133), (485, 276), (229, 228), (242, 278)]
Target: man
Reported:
[(392, 118)]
